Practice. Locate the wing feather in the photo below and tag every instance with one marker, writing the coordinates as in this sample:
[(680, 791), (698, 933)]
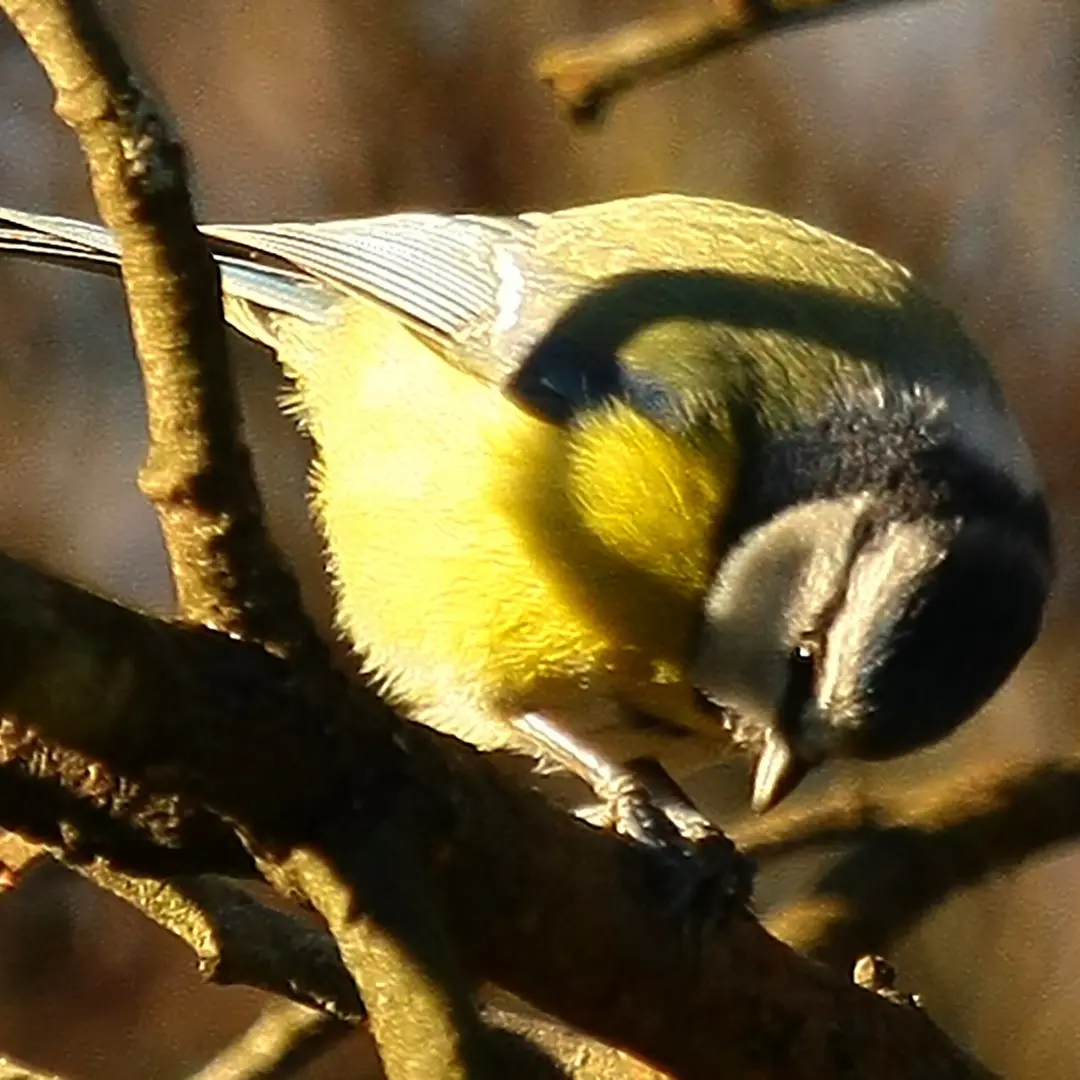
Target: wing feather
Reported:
[(446, 273)]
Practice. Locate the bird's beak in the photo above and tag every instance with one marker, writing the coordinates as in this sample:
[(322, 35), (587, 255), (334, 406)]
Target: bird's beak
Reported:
[(778, 771)]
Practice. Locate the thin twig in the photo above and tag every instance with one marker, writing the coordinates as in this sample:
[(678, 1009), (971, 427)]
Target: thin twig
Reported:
[(237, 940), (838, 817), (283, 1040), (421, 1011), (198, 473), (586, 76), (926, 842), (14, 1070)]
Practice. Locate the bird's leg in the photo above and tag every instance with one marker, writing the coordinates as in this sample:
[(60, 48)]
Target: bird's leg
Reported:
[(642, 802), (625, 803), (669, 797)]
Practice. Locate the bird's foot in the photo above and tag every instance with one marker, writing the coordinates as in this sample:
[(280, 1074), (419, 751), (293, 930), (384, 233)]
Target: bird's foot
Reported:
[(699, 871)]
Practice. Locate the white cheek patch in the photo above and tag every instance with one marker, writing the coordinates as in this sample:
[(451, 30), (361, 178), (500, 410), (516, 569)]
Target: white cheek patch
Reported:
[(771, 588), (883, 581)]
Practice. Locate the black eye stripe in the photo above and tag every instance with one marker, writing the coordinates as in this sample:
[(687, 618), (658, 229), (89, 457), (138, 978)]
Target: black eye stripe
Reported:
[(802, 675)]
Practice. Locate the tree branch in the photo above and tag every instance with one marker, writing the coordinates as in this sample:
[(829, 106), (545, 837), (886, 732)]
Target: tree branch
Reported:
[(80, 808), (283, 1040), (421, 1008), (238, 941), (198, 474), (586, 76), (549, 908), (311, 769), (576, 1056), (921, 845)]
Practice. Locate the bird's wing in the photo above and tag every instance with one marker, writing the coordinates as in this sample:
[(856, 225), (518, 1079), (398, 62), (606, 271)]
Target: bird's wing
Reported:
[(450, 274), (458, 278), (477, 286), (447, 273)]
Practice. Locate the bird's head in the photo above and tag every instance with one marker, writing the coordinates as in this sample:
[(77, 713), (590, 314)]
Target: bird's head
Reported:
[(839, 629)]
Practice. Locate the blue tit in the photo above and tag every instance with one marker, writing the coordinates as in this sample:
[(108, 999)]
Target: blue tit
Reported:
[(649, 478)]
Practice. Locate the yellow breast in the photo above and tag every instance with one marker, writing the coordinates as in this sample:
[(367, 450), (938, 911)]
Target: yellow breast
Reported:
[(485, 554)]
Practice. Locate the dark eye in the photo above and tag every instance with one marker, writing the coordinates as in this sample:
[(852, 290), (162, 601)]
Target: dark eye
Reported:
[(802, 668)]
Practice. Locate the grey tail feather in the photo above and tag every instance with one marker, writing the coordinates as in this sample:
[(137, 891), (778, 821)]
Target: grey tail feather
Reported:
[(65, 241), (52, 249)]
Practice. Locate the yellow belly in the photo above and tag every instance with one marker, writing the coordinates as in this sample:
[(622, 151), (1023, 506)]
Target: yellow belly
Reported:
[(486, 558)]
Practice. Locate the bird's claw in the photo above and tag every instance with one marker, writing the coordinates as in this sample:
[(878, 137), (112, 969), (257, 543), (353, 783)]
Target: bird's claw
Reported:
[(698, 872)]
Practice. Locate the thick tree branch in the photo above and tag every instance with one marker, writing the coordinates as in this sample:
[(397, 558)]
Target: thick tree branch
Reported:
[(134, 691), (586, 76), (539, 903)]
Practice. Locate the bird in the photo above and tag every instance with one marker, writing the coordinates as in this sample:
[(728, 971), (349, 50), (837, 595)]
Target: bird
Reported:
[(645, 480)]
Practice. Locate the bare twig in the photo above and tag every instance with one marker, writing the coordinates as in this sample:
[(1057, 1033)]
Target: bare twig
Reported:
[(14, 1070), (586, 76), (198, 473), (839, 817), (420, 1006), (925, 843), (237, 940), (283, 1040)]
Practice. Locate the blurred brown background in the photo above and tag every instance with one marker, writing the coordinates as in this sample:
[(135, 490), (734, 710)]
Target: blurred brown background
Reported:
[(946, 134)]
